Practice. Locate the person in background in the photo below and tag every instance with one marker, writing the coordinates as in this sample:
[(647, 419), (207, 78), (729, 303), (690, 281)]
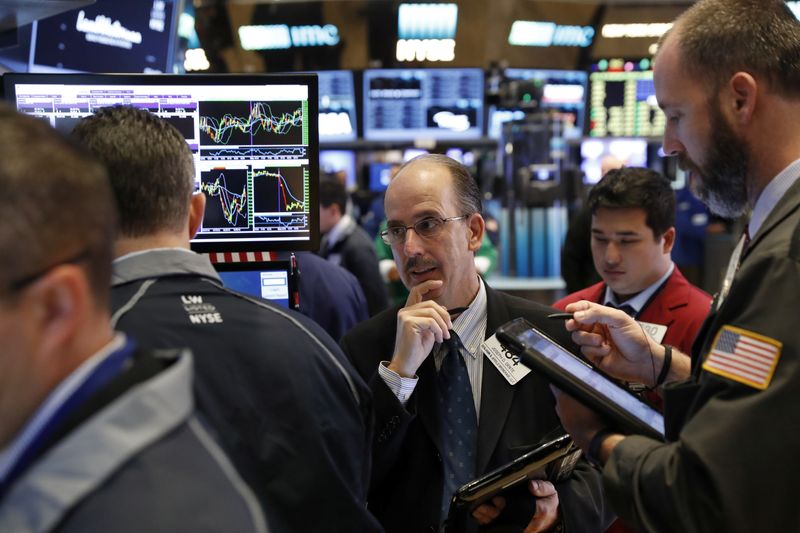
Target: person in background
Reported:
[(444, 412), (727, 76), (577, 267), (632, 235), (691, 223), (329, 295), (283, 400), (345, 243), (96, 433)]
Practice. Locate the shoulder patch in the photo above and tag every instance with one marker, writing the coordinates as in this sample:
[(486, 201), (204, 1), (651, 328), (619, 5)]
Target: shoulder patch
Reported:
[(743, 356)]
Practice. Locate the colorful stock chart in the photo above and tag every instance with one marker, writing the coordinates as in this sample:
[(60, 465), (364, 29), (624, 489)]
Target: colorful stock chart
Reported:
[(254, 146)]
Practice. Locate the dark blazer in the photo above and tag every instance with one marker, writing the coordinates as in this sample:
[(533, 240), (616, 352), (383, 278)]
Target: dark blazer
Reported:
[(357, 254), (406, 487), (679, 305), (732, 462)]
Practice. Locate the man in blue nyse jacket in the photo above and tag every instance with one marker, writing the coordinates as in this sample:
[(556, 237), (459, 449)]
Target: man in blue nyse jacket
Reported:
[(282, 398)]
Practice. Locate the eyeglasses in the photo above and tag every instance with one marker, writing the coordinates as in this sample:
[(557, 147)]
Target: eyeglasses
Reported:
[(427, 227), (21, 283)]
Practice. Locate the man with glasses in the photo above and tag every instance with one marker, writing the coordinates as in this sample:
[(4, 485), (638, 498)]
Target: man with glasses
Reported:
[(434, 227), (95, 433)]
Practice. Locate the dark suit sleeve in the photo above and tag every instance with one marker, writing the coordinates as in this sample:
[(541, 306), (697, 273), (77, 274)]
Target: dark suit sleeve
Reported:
[(391, 417), (733, 466)]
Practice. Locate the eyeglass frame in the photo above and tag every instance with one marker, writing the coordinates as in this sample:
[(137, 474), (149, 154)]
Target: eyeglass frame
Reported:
[(385, 233), (20, 283)]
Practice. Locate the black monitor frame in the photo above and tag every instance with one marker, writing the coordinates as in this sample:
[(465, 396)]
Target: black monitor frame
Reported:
[(309, 237)]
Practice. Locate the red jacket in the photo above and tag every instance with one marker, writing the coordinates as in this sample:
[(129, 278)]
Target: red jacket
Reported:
[(679, 305)]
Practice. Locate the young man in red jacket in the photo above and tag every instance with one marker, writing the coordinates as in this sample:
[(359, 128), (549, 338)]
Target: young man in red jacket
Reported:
[(633, 231)]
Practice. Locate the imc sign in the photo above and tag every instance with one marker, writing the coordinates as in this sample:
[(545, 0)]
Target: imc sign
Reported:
[(282, 36)]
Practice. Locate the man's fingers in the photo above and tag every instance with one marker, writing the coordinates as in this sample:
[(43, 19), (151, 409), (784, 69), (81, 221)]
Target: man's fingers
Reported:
[(486, 513), (418, 292), (541, 489)]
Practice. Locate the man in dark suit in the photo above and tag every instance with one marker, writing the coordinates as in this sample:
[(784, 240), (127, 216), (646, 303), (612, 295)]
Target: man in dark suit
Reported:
[(726, 76), (434, 227), (633, 232), (346, 244)]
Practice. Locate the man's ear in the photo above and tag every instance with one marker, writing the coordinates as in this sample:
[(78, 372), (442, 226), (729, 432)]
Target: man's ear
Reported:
[(742, 93), (669, 240), (57, 304), (197, 209), (477, 227)]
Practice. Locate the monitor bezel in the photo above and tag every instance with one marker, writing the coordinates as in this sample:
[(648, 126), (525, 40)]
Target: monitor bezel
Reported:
[(12, 79)]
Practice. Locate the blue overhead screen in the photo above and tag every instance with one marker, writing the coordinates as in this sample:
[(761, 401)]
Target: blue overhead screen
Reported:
[(408, 104), (337, 106)]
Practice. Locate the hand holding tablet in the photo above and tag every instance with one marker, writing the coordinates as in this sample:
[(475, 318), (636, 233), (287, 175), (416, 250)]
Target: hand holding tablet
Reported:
[(577, 377)]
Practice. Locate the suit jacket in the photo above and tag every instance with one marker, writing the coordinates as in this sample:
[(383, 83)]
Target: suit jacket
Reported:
[(732, 462), (679, 305), (405, 492), (354, 251)]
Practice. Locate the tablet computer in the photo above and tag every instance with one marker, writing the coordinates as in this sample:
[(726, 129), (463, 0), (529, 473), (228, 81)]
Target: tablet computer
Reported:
[(580, 379), (552, 460)]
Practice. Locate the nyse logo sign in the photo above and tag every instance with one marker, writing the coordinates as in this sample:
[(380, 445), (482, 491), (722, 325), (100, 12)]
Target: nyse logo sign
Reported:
[(426, 50)]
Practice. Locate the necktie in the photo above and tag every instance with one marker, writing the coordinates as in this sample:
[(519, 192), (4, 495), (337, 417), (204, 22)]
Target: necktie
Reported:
[(627, 309), (459, 423)]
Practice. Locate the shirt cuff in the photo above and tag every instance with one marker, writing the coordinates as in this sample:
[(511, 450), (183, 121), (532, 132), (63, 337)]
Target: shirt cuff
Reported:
[(401, 387)]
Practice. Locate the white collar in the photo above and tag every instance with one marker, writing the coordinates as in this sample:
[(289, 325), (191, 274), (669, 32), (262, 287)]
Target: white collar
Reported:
[(772, 193), (639, 301)]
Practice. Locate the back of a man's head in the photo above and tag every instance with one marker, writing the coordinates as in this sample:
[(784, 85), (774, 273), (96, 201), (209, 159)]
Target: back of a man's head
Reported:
[(57, 206), (333, 192), (149, 164), (720, 37), (640, 188)]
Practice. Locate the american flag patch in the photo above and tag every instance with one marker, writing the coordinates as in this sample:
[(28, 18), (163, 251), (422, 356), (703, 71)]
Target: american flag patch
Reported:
[(744, 356)]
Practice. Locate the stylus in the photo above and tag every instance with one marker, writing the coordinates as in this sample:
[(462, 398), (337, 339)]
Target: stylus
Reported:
[(560, 316)]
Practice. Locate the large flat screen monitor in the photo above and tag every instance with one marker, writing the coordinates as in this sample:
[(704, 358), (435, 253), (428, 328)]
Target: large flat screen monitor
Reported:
[(107, 36), (622, 100), (254, 140), (409, 104), (563, 91), (337, 106)]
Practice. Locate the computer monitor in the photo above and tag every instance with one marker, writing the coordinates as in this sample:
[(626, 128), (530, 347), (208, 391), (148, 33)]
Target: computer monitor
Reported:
[(254, 140), (107, 36), (622, 100), (632, 152), (335, 161), (270, 280), (563, 91), (436, 104), (337, 106), (380, 174)]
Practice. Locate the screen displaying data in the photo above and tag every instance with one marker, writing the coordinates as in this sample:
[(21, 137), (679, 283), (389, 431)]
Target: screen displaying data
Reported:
[(267, 280), (107, 36), (622, 102), (254, 142), (337, 106), (563, 91), (408, 104)]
